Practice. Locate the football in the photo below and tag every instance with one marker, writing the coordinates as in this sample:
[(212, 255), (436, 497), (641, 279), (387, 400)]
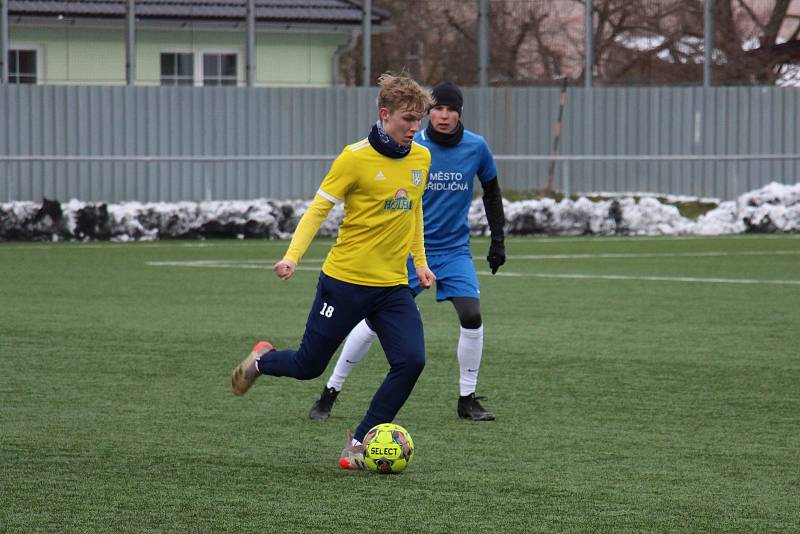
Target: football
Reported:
[(388, 448)]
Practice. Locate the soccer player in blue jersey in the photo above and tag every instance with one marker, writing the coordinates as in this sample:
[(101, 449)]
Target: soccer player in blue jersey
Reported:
[(380, 180), (457, 156)]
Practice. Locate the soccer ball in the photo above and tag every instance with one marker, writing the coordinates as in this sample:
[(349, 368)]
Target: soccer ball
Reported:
[(388, 448)]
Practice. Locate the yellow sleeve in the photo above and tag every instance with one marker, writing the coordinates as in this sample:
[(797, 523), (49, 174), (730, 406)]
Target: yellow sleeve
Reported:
[(307, 228), (340, 178), (418, 244)]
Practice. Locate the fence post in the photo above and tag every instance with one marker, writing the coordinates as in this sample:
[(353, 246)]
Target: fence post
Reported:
[(3, 41), (130, 43), (589, 30), (251, 43), (367, 45), (483, 43), (708, 41)]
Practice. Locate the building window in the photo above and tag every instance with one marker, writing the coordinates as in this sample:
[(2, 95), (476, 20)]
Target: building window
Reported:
[(177, 68), (22, 66), (219, 69)]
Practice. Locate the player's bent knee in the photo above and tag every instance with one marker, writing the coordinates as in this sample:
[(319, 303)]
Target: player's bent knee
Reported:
[(469, 312), (310, 372), (471, 320)]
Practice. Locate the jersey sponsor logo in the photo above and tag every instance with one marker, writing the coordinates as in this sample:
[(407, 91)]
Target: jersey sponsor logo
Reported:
[(442, 176), (400, 202), (446, 186), (380, 176), (416, 177), (446, 181)]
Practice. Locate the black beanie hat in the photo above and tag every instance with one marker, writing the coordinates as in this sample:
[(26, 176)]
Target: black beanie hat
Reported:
[(448, 94)]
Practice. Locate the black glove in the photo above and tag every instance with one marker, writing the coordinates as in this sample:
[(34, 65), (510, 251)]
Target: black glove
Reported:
[(497, 255)]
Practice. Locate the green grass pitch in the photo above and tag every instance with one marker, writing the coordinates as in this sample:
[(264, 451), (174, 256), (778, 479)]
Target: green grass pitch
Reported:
[(640, 384)]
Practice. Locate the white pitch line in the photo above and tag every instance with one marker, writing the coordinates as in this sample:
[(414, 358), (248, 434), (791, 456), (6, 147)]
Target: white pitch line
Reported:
[(629, 255), (244, 264), (230, 264), (539, 240), (645, 278), (513, 257), (548, 239), (129, 245), (259, 264), (108, 245), (588, 256)]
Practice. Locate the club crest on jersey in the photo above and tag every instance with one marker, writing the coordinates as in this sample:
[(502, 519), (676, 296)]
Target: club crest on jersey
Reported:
[(400, 202), (416, 177)]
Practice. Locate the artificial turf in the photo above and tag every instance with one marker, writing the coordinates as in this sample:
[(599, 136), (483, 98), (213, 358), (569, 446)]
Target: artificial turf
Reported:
[(640, 384)]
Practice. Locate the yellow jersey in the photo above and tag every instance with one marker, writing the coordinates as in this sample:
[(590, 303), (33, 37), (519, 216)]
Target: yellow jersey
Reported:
[(382, 221)]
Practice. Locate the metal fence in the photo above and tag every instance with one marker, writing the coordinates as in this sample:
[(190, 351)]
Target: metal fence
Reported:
[(186, 143)]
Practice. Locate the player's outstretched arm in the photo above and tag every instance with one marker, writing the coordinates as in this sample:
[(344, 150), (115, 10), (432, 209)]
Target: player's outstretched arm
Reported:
[(303, 235)]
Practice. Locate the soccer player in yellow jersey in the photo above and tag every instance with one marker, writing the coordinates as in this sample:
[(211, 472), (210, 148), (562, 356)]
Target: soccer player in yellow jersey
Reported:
[(380, 180)]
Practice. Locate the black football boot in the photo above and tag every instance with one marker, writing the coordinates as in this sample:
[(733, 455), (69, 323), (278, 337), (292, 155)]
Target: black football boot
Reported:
[(470, 408), (321, 409)]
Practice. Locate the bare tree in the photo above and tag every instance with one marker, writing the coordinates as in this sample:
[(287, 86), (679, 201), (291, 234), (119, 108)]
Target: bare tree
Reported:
[(662, 42), (539, 41), (429, 40), (757, 41)]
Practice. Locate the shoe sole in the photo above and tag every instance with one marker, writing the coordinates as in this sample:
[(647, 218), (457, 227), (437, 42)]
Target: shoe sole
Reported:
[(318, 416), (239, 381), (489, 417)]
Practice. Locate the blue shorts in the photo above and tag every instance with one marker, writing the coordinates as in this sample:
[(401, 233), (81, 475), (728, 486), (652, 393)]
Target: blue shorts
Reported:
[(455, 276)]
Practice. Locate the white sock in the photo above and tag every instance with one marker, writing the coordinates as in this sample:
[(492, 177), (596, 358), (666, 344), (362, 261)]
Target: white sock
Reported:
[(470, 349), (355, 348)]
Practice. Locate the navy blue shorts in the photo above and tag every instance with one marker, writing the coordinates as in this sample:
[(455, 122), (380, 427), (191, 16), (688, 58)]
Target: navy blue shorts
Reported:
[(338, 307)]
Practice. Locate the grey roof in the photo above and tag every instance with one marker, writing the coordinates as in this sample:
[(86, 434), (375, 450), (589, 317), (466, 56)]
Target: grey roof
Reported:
[(284, 11)]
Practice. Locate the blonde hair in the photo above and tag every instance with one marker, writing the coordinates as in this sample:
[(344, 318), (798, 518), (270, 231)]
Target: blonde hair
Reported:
[(400, 92)]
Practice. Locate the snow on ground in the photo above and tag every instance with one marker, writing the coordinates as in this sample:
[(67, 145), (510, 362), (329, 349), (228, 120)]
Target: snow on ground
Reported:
[(772, 208)]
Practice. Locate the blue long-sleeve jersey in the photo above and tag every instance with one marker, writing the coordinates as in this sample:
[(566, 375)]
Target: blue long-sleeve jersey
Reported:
[(448, 195)]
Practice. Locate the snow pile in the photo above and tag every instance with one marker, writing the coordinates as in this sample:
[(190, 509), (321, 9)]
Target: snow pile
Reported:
[(546, 216), (147, 221), (724, 219), (584, 217), (773, 208), (27, 221)]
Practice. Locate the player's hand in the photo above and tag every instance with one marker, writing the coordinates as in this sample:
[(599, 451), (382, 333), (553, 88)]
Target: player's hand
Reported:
[(426, 277), (497, 255), (284, 269)]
